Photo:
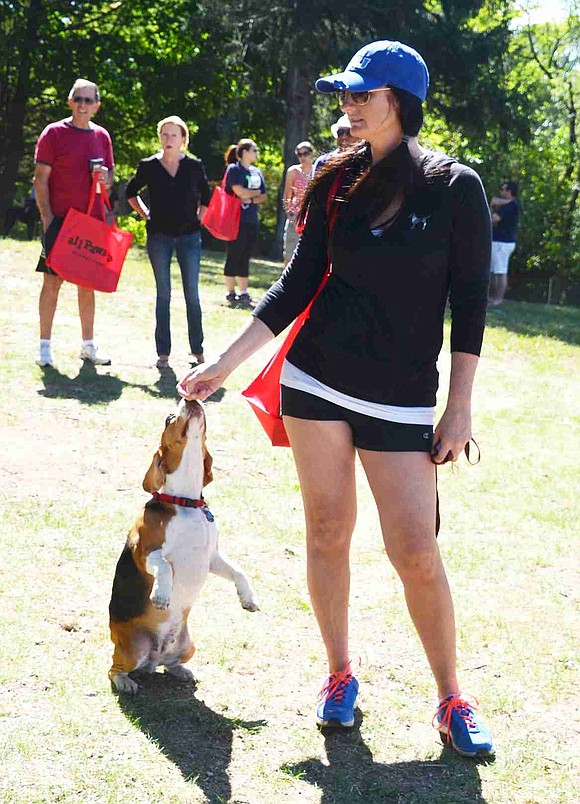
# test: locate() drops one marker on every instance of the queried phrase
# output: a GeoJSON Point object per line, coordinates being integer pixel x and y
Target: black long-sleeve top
{"type": "Point", "coordinates": [376, 330]}
{"type": "Point", "coordinates": [174, 200]}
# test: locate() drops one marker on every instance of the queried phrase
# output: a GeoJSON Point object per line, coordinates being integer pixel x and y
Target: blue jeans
{"type": "Point", "coordinates": [187, 249]}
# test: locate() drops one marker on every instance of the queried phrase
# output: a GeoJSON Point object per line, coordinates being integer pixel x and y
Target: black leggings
{"type": "Point", "coordinates": [240, 251]}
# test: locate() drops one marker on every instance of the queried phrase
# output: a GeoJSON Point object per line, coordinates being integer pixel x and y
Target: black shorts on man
{"type": "Point", "coordinates": [48, 241]}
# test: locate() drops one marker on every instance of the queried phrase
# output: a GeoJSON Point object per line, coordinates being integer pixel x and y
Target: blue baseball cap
{"type": "Point", "coordinates": [380, 64]}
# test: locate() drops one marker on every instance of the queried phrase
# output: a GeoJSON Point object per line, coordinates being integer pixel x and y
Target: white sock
{"type": "Point", "coordinates": [90, 342]}
{"type": "Point", "coordinates": [45, 342]}
{"type": "Point", "coordinates": [243, 293]}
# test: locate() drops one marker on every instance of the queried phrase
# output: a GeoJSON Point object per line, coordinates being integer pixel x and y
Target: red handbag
{"type": "Point", "coordinates": [263, 393]}
{"type": "Point", "coordinates": [89, 251]}
{"type": "Point", "coordinates": [222, 216]}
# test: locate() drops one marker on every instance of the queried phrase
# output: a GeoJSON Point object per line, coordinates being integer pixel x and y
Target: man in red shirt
{"type": "Point", "coordinates": [62, 179]}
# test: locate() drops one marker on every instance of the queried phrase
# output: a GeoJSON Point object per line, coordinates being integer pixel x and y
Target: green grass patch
{"type": "Point", "coordinates": [76, 444]}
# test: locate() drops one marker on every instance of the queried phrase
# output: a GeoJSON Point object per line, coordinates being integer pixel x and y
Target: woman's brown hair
{"type": "Point", "coordinates": [234, 152]}
{"type": "Point", "coordinates": [396, 176]}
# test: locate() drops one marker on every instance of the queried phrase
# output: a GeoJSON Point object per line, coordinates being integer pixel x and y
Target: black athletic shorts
{"type": "Point", "coordinates": [48, 239]}
{"type": "Point", "coordinates": [368, 432]}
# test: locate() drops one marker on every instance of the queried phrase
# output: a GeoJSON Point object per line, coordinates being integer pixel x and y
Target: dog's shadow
{"type": "Point", "coordinates": [194, 737]}
{"type": "Point", "coordinates": [351, 774]}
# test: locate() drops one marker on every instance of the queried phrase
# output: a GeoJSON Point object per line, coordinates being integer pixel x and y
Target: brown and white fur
{"type": "Point", "coordinates": [167, 557]}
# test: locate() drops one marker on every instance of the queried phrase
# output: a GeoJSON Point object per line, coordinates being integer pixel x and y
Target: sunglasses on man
{"type": "Point", "coordinates": [358, 98]}
{"type": "Point", "coordinates": [83, 99]}
{"type": "Point", "coordinates": [303, 153]}
{"type": "Point", "coordinates": [343, 132]}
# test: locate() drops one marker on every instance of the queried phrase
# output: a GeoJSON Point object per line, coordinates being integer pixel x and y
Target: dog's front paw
{"type": "Point", "coordinates": [250, 603]}
{"type": "Point", "coordinates": [123, 683]}
{"type": "Point", "coordinates": [159, 598]}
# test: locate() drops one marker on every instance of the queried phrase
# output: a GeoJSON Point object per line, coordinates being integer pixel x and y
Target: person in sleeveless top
{"type": "Point", "coordinates": [297, 178]}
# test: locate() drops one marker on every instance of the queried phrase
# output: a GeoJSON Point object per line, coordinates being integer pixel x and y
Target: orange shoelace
{"type": "Point", "coordinates": [335, 684]}
{"type": "Point", "coordinates": [457, 703]}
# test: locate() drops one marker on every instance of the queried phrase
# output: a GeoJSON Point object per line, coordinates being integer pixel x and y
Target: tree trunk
{"type": "Point", "coordinates": [299, 79]}
{"type": "Point", "coordinates": [572, 172]}
{"type": "Point", "coordinates": [13, 124]}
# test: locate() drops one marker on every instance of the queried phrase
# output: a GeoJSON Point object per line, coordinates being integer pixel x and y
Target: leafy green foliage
{"type": "Point", "coordinates": [503, 97]}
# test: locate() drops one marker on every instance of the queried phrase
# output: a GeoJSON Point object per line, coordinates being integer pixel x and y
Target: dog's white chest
{"type": "Point", "coordinates": [190, 541]}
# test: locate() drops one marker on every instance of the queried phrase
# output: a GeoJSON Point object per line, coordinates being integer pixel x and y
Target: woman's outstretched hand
{"type": "Point", "coordinates": [202, 381]}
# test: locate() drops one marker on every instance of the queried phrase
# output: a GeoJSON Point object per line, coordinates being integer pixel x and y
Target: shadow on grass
{"type": "Point", "coordinates": [526, 318]}
{"type": "Point", "coordinates": [195, 738]}
{"type": "Point", "coordinates": [93, 388]}
{"type": "Point", "coordinates": [351, 774]}
{"type": "Point", "coordinates": [217, 396]}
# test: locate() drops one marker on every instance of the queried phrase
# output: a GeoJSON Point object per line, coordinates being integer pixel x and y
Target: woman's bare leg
{"type": "Point", "coordinates": [324, 456]}
{"type": "Point", "coordinates": [403, 485]}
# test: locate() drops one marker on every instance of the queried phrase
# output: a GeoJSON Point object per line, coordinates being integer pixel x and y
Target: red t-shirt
{"type": "Point", "coordinates": [67, 150]}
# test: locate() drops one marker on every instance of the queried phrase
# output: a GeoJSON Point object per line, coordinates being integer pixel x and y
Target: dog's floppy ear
{"type": "Point", "coordinates": [155, 477]}
{"type": "Point", "coordinates": [207, 464]}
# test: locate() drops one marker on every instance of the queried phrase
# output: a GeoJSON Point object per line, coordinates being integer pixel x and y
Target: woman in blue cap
{"type": "Point", "coordinates": [412, 230]}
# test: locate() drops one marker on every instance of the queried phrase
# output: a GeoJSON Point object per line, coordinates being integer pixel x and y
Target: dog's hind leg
{"type": "Point", "coordinates": [179, 671]}
{"type": "Point", "coordinates": [184, 650]}
{"type": "Point", "coordinates": [222, 566]}
{"type": "Point", "coordinates": [122, 682]}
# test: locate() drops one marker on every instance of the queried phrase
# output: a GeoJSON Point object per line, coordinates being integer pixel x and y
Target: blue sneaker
{"type": "Point", "coordinates": [336, 700]}
{"type": "Point", "coordinates": [458, 723]}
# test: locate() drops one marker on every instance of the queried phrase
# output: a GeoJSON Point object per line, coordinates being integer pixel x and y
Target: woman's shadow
{"type": "Point", "coordinates": [352, 775]}
{"type": "Point", "coordinates": [194, 737]}
{"type": "Point", "coordinates": [92, 387]}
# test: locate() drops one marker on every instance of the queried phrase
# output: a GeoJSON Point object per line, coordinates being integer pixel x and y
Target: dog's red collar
{"type": "Point", "coordinates": [186, 502]}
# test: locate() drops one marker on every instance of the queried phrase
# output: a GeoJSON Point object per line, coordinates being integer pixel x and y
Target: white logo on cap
{"type": "Point", "coordinates": [362, 62]}
{"type": "Point", "coordinates": [418, 223]}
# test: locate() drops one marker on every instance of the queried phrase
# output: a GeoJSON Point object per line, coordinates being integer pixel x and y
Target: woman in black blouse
{"type": "Point", "coordinates": [412, 229]}
{"type": "Point", "coordinates": [179, 194]}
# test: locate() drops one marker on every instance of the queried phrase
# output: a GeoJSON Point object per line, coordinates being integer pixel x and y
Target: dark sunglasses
{"type": "Point", "coordinates": [82, 99]}
{"type": "Point", "coordinates": [343, 132]}
{"type": "Point", "coordinates": [358, 98]}
{"type": "Point", "coordinates": [303, 153]}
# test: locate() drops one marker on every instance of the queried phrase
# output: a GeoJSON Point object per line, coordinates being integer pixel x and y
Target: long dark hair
{"type": "Point", "coordinates": [397, 175]}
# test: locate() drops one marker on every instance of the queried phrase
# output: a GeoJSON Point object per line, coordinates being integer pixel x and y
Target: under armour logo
{"type": "Point", "coordinates": [418, 223]}
{"type": "Point", "coordinates": [360, 61]}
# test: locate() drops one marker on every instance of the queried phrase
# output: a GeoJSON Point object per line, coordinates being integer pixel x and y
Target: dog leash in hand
{"type": "Point", "coordinates": [185, 502]}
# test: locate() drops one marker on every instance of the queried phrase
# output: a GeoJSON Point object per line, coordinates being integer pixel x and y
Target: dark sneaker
{"type": "Point", "coordinates": [245, 301]}
{"type": "Point", "coordinates": [458, 723]}
{"type": "Point", "coordinates": [196, 360]}
{"type": "Point", "coordinates": [336, 700]}
{"type": "Point", "coordinates": [231, 298]}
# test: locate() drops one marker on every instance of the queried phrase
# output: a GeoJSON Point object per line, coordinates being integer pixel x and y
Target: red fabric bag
{"type": "Point", "coordinates": [222, 217]}
{"type": "Point", "coordinates": [89, 251]}
{"type": "Point", "coordinates": [263, 393]}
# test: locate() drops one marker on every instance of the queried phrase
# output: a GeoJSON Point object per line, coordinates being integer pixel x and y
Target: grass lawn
{"type": "Point", "coordinates": [76, 444]}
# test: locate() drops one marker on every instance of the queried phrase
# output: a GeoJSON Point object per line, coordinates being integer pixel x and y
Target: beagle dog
{"type": "Point", "coordinates": [167, 557]}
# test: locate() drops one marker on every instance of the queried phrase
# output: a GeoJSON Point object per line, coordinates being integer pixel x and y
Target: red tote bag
{"type": "Point", "coordinates": [263, 393]}
{"type": "Point", "coordinates": [89, 251]}
{"type": "Point", "coordinates": [222, 217]}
